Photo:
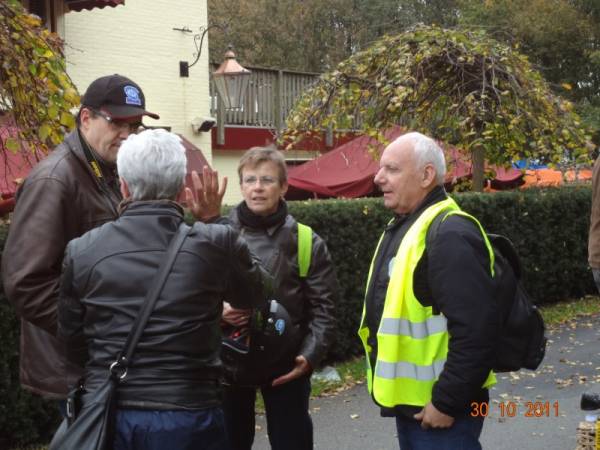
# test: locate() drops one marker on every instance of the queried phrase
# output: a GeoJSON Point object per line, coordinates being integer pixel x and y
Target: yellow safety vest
{"type": "Point", "coordinates": [412, 343]}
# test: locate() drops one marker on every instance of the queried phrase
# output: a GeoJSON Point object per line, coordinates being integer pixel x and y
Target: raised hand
{"type": "Point", "coordinates": [206, 198]}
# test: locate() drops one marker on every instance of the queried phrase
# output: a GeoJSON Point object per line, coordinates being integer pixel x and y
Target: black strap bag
{"type": "Point", "coordinates": [90, 417]}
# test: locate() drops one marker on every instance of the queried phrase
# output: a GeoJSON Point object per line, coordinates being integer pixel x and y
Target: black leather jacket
{"type": "Point", "coordinates": [309, 301]}
{"type": "Point", "coordinates": [105, 278]}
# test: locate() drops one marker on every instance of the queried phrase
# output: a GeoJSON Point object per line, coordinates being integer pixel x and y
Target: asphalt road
{"type": "Point", "coordinates": [350, 421]}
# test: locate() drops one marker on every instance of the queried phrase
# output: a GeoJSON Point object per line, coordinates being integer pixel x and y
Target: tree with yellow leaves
{"type": "Point", "coordinates": [36, 93]}
{"type": "Point", "coordinates": [459, 86]}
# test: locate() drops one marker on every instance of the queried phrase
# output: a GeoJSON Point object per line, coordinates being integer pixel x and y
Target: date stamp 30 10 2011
{"type": "Point", "coordinates": [511, 409]}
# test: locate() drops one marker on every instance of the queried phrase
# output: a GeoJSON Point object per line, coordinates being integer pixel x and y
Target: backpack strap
{"type": "Point", "coordinates": [304, 249]}
{"type": "Point", "coordinates": [434, 227]}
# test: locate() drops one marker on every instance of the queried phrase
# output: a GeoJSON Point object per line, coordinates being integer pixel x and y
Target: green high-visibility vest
{"type": "Point", "coordinates": [412, 342]}
{"type": "Point", "coordinates": [304, 249]}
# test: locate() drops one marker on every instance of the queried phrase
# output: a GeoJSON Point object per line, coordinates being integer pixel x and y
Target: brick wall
{"type": "Point", "coordinates": [226, 162]}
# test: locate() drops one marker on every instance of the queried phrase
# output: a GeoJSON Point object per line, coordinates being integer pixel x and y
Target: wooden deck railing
{"type": "Point", "coordinates": [270, 97]}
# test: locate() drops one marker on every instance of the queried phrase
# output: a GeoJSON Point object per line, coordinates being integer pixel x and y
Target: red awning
{"type": "Point", "coordinates": [348, 170]}
{"type": "Point", "coordinates": [14, 166]}
{"type": "Point", "coordinates": [195, 161]}
{"type": "Point", "coordinates": [78, 5]}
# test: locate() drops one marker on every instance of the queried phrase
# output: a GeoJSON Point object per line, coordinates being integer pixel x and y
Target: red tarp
{"type": "Point", "coordinates": [348, 170]}
{"type": "Point", "coordinates": [15, 166]}
{"type": "Point", "coordinates": [78, 5]}
{"type": "Point", "coordinates": [195, 161]}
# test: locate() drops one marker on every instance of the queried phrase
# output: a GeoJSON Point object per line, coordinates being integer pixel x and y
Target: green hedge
{"type": "Point", "coordinates": [548, 227]}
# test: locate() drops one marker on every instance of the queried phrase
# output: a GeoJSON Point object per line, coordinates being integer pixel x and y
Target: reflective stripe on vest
{"type": "Point", "coordinates": [416, 330]}
{"type": "Point", "coordinates": [412, 343]}
{"type": "Point", "coordinates": [406, 370]}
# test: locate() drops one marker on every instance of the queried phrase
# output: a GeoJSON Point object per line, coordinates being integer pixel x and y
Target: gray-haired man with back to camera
{"type": "Point", "coordinates": [171, 395]}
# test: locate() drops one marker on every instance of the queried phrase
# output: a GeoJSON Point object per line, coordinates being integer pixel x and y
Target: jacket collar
{"type": "Point", "coordinates": [235, 220]}
{"type": "Point", "coordinates": [150, 207]}
{"type": "Point", "coordinates": [436, 195]}
{"type": "Point", "coordinates": [73, 142]}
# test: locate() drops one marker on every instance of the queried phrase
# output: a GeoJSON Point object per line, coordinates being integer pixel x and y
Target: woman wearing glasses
{"type": "Point", "coordinates": [272, 234]}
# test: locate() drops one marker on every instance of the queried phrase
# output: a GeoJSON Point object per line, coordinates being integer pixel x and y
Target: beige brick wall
{"type": "Point", "coordinates": [137, 40]}
{"type": "Point", "coordinates": [226, 162]}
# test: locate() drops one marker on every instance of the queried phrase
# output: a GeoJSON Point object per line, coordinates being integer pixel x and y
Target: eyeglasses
{"type": "Point", "coordinates": [265, 180]}
{"type": "Point", "coordinates": [131, 127]}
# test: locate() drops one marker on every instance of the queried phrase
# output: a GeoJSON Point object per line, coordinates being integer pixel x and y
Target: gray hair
{"type": "Point", "coordinates": [153, 163]}
{"type": "Point", "coordinates": [427, 151]}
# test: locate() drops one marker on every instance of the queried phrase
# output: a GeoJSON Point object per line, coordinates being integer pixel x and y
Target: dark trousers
{"type": "Point", "coordinates": [62, 408]}
{"type": "Point", "coordinates": [202, 429]}
{"type": "Point", "coordinates": [596, 274]}
{"type": "Point", "coordinates": [288, 422]}
{"type": "Point", "coordinates": [462, 435]}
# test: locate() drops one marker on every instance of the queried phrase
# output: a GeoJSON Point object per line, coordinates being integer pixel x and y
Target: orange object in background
{"type": "Point", "coordinates": [551, 177]}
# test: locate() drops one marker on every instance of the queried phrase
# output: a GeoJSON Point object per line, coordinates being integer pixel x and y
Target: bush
{"type": "Point", "coordinates": [548, 227]}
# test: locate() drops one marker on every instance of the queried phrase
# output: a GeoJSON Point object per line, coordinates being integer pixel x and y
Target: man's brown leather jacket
{"type": "Point", "coordinates": [60, 200]}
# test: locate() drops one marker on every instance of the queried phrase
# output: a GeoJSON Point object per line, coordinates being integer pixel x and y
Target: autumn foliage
{"type": "Point", "coordinates": [459, 86]}
{"type": "Point", "coordinates": [36, 93]}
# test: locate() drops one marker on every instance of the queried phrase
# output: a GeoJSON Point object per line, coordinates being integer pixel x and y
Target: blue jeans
{"type": "Point", "coordinates": [288, 422]}
{"type": "Point", "coordinates": [202, 429]}
{"type": "Point", "coordinates": [462, 435]}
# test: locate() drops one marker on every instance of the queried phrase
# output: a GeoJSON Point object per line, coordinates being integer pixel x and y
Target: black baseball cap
{"type": "Point", "coordinates": [120, 97]}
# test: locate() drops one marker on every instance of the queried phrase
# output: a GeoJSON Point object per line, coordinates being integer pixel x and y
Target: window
{"type": "Point", "coordinates": [44, 9]}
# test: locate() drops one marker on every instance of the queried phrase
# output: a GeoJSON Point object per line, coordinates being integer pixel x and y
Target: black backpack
{"type": "Point", "coordinates": [521, 341]}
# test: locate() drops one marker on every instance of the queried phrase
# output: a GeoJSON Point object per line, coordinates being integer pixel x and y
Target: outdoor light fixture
{"type": "Point", "coordinates": [231, 79]}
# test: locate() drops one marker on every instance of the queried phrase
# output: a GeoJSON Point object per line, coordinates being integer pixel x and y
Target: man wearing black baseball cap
{"type": "Point", "coordinates": [119, 104]}
{"type": "Point", "coordinates": [68, 193]}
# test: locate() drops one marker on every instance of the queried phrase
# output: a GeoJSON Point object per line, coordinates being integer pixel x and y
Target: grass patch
{"type": "Point", "coordinates": [562, 312]}
{"type": "Point", "coordinates": [351, 372]}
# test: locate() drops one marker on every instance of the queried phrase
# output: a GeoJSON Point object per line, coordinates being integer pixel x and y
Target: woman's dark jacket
{"type": "Point", "coordinates": [106, 275]}
{"type": "Point", "coordinates": [453, 276]}
{"type": "Point", "coordinates": [309, 301]}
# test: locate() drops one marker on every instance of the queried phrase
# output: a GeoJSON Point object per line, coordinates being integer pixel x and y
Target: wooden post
{"type": "Point", "coordinates": [220, 121]}
{"type": "Point", "coordinates": [478, 168]}
{"type": "Point", "coordinates": [278, 102]}
{"type": "Point", "coordinates": [329, 132]}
